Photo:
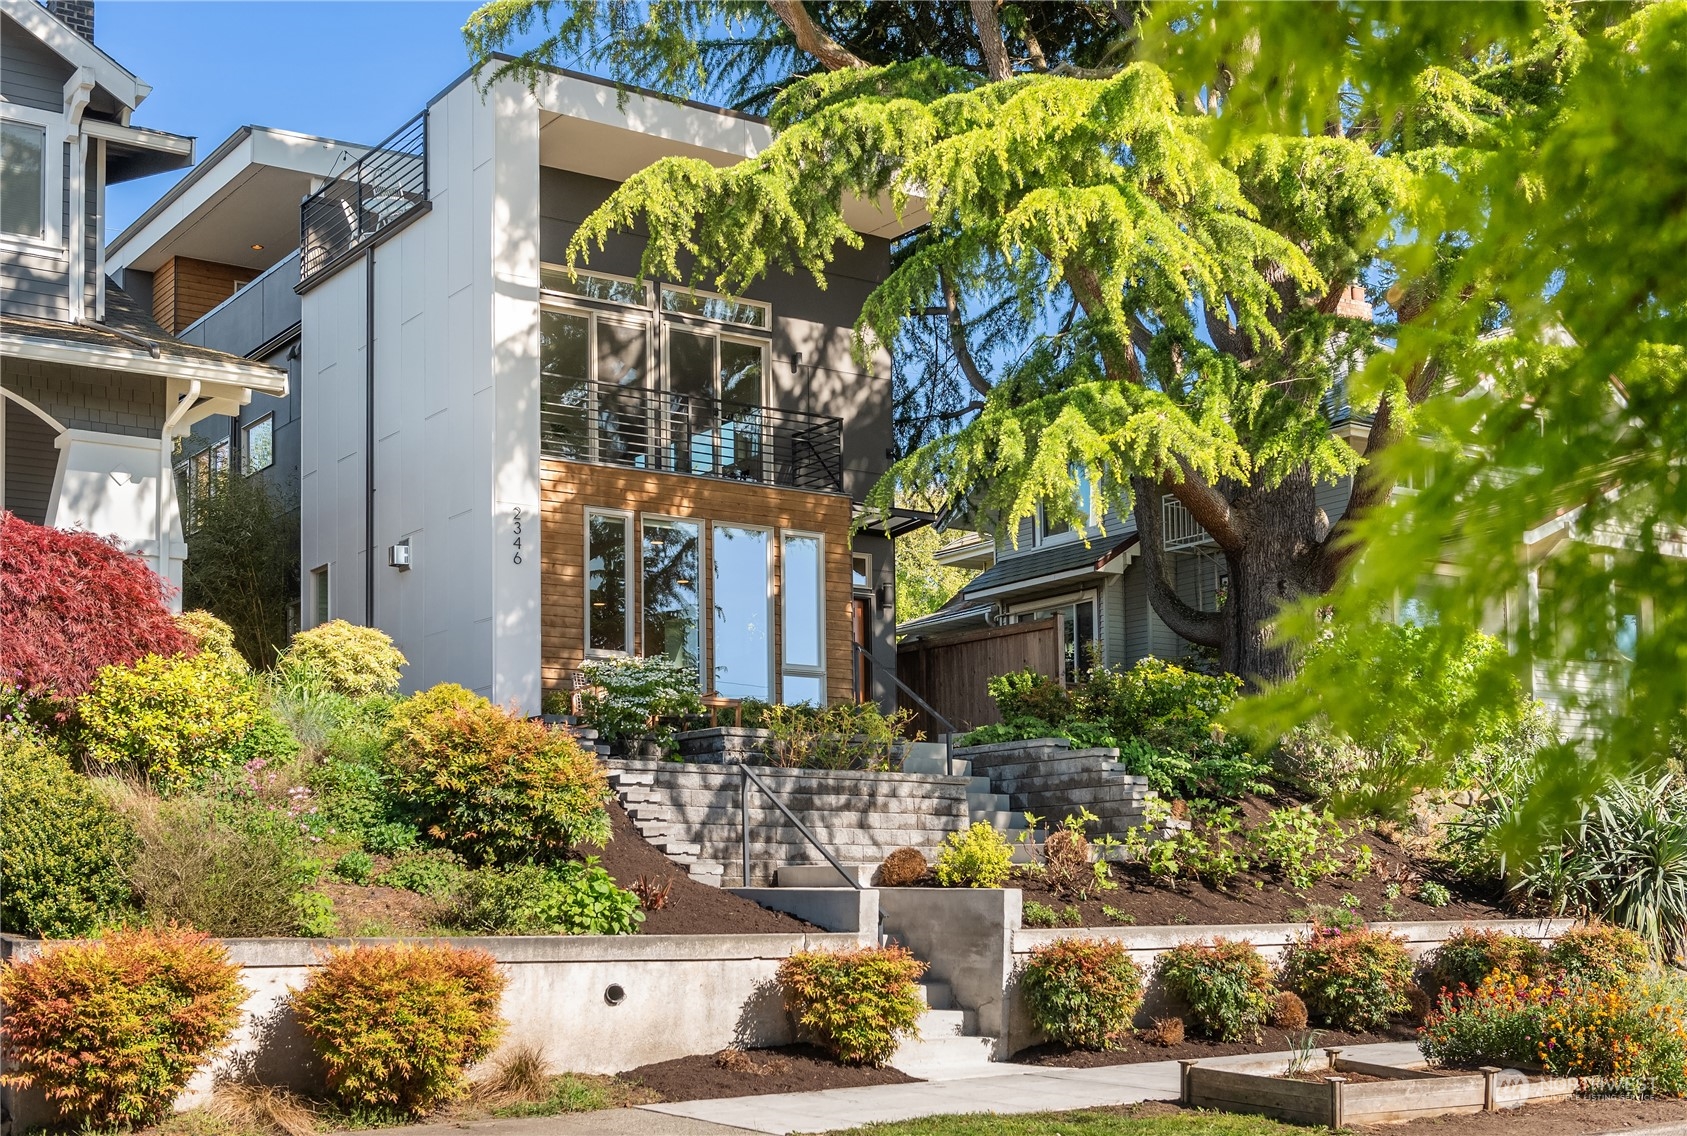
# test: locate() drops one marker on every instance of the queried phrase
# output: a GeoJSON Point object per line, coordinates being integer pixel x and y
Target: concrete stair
{"type": "Point", "coordinates": [692, 812]}
{"type": "Point", "coordinates": [984, 801]}
{"type": "Point", "coordinates": [947, 1044]}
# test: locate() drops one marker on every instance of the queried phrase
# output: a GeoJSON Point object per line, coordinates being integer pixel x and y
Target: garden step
{"type": "Point", "coordinates": [823, 875]}
{"type": "Point", "coordinates": [938, 995]}
{"type": "Point", "coordinates": [817, 821]}
{"type": "Point", "coordinates": [706, 872]}
{"type": "Point", "coordinates": [1064, 763]}
{"type": "Point", "coordinates": [675, 848]}
{"type": "Point", "coordinates": [999, 819]}
{"type": "Point", "coordinates": [942, 1023]}
{"type": "Point", "coordinates": [936, 1058]}
{"type": "Point", "coordinates": [936, 766]}
{"type": "Point", "coordinates": [724, 798]}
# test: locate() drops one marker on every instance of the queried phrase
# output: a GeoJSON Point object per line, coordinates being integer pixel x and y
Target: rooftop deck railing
{"type": "Point", "coordinates": [386, 185]}
{"type": "Point", "coordinates": [665, 432]}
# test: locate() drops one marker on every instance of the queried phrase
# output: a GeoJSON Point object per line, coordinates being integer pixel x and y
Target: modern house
{"type": "Point", "coordinates": [512, 469]}
{"type": "Point", "coordinates": [95, 392]}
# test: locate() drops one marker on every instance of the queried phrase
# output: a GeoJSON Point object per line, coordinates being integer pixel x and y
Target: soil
{"type": "Point", "coordinates": [379, 911]}
{"type": "Point", "coordinates": [1133, 1051]}
{"type": "Point", "coordinates": [756, 1072]}
{"type": "Point", "coordinates": [1262, 897]}
{"type": "Point", "coordinates": [692, 908]}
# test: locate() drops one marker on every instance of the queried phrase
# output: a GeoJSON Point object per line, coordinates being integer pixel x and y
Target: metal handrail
{"type": "Point", "coordinates": [949, 730]}
{"type": "Point", "coordinates": [388, 183]}
{"type": "Point", "coordinates": [745, 776]}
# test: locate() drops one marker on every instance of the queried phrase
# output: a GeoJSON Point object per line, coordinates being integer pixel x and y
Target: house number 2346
{"type": "Point", "coordinates": [515, 524]}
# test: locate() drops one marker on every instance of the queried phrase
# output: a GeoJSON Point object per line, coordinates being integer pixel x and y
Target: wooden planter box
{"type": "Point", "coordinates": [1400, 1094]}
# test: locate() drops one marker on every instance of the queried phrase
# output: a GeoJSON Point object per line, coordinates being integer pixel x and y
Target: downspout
{"type": "Point", "coordinates": [174, 419]}
{"type": "Point", "coordinates": [369, 438]}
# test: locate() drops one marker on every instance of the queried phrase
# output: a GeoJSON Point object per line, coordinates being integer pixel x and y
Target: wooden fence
{"type": "Point", "coordinates": [950, 671]}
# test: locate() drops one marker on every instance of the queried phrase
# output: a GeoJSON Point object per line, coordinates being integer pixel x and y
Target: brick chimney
{"type": "Point", "coordinates": [1353, 304]}
{"type": "Point", "coordinates": [77, 15]}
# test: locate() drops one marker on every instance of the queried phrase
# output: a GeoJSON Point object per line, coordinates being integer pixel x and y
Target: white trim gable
{"type": "Point", "coordinates": [76, 51]}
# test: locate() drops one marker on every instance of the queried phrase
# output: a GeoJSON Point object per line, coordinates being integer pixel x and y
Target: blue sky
{"type": "Point", "coordinates": [350, 69]}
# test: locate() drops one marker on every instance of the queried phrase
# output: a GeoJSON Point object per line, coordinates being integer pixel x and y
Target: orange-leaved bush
{"type": "Point", "coordinates": [71, 603]}
{"type": "Point", "coordinates": [1350, 980]}
{"type": "Point", "coordinates": [855, 1004]}
{"type": "Point", "coordinates": [396, 1026]}
{"type": "Point", "coordinates": [1226, 983]}
{"type": "Point", "coordinates": [1600, 952]}
{"type": "Point", "coordinates": [1469, 955]}
{"type": "Point", "coordinates": [1082, 992]}
{"type": "Point", "coordinates": [111, 1029]}
{"type": "Point", "coordinates": [492, 786]}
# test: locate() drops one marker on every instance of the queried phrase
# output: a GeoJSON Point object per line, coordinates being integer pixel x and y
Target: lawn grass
{"type": "Point", "coordinates": [1125, 1120]}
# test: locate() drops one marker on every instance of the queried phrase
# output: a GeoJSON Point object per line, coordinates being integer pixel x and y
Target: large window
{"type": "Point", "coordinates": [23, 180]}
{"type": "Point", "coordinates": [710, 306]}
{"type": "Point", "coordinates": [803, 580]}
{"type": "Point", "coordinates": [609, 612]}
{"type": "Point", "coordinates": [673, 612]}
{"type": "Point", "coordinates": [743, 612]}
{"type": "Point", "coordinates": [715, 386]}
{"type": "Point", "coordinates": [605, 422]}
{"type": "Point", "coordinates": [259, 446]}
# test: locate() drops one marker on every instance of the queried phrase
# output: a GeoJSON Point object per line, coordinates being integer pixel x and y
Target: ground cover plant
{"type": "Point", "coordinates": [397, 1026]}
{"type": "Point", "coordinates": [111, 1029]}
{"type": "Point", "coordinates": [1226, 984]}
{"type": "Point", "coordinates": [1081, 992]}
{"type": "Point", "coordinates": [855, 1004]}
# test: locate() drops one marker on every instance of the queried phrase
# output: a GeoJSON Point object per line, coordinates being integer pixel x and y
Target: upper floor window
{"type": "Point", "coordinates": [23, 180]}
{"type": "Point", "coordinates": [709, 306]}
{"type": "Point", "coordinates": [259, 444]}
{"type": "Point", "coordinates": [592, 286]}
{"type": "Point", "coordinates": [1082, 499]}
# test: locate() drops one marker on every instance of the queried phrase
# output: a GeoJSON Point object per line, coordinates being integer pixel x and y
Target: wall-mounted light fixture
{"type": "Point", "coordinates": [257, 248]}
{"type": "Point", "coordinates": [398, 556]}
{"type": "Point", "coordinates": [887, 597]}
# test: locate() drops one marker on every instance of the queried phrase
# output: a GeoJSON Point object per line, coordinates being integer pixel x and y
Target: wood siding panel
{"type": "Point", "coordinates": [184, 289]}
{"type": "Point", "coordinates": [32, 460]}
{"type": "Point", "coordinates": [570, 488]}
{"type": "Point", "coordinates": [950, 671]}
{"type": "Point", "coordinates": [34, 74]}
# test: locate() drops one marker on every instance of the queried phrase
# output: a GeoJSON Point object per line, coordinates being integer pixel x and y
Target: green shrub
{"type": "Point", "coordinates": [175, 722]}
{"type": "Point", "coordinates": [564, 899]}
{"type": "Point", "coordinates": [230, 869]}
{"type": "Point", "coordinates": [1225, 983]}
{"type": "Point", "coordinates": [213, 637]}
{"type": "Point", "coordinates": [976, 858]}
{"type": "Point", "coordinates": [344, 658]}
{"type": "Point", "coordinates": [1082, 992]}
{"type": "Point", "coordinates": [629, 696]}
{"type": "Point", "coordinates": [854, 1004]}
{"type": "Point", "coordinates": [1318, 761]}
{"type": "Point", "coordinates": [492, 786]}
{"type": "Point", "coordinates": [314, 915]}
{"type": "Point", "coordinates": [844, 735]}
{"type": "Point", "coordinates": [64, 851]}
{"type": "Point", "coordinates": [1028, 694]}
{"type": "Point", "coordinates": [433, 872]}
{"type": "Point", "coordinates": [1600, 953]}
{"type": "Point", "coordinates": [1172, 714]}
{"type": "Point", "coordinates": [110, 1030]}
{"type": "Point", "coordinates": [268, 740]}
{"type": "Point", "coordinates": [1082, 735]}
{"type": "Point", "coordinates": [1350, 980]}
{"type": "Point", "coordinates": [1469, 956]}
{"type": "Point", "coordinates": [355, 794]}
{"type": "Point", "coordinates": [1434, 894]}
{"type": "Point", "coordinates": [1300, 844]}
{"type": "Point", "coordinates": [355, 867]}
{"type": "Point", "coordinates": [397, 1026]}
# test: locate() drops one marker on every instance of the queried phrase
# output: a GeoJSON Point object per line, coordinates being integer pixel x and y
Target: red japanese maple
{"type": "Point", "coordinates": [71, 603]}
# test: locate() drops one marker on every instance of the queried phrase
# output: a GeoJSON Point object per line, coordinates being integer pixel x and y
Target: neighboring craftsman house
{"type": "Point", "coordinates": [95, 392]}
{"type": "Point", "coordinates": [511, 471]}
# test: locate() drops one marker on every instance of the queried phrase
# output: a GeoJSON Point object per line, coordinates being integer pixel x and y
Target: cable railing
{"type": "Point", "coordinates": [380, 189]}
{"type": "Point", "coordinates": [668, 432]}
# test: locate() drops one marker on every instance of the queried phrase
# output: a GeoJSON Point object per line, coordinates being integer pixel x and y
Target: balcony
{"type": "Point", "coordinates": [385, 187]}
{"type": "Point", "coordinates": [665, 432]}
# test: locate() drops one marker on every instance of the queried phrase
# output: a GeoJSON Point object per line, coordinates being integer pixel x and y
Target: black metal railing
{"type": "Point", "coordinates": [667, 432]}
{"type": "Point", "coordinates": [380, 189]}
{"type": "Point", "coordinates": [745, 777]}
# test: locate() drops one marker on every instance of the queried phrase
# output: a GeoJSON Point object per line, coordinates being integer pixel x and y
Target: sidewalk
{"type": "Point", "coordinates": [1007, 1088]}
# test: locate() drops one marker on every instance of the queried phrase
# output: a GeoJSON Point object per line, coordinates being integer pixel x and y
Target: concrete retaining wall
{"type": "Point", "coordinates": [681, 995]}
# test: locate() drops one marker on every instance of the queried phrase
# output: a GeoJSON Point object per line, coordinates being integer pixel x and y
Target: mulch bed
{"type": "Point", "coordinates": [756, 1072]}
{"type": "Point", "coordinates": [1133, 1051]}
{"type": "Point", "coordinates": [692, 908]}
{"type": "Point", "coordinates": [376, 911]}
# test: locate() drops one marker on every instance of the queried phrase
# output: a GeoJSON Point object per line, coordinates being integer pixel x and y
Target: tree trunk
{"type": "Point", "coordinates": [1277, 562]}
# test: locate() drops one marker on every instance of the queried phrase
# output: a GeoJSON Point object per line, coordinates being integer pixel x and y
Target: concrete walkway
{"type": "Point", "coordinates": [1006, 1088]}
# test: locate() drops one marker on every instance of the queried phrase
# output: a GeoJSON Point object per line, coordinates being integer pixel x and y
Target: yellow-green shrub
{"type": "Point", "coordinates": [1082, 992]}
{"type": "Point", "coordinates": [396, 1026]}
{"type": "Point", "coordinates": [979, 857]}
{"type": "Point", "coordinates": [63, 848]}
{"type": "Point", "coordinates": [854, 1003]}
{"type": "Point", "coordinates": [344, 658]}
{"type": "Point", "coordinates": [172, 721]}
{"type": "Point", "coordinates": [1601, 953]}
{"type": "Point", "coordinates": [492, 786]}
{"type": "Point", "coordinates": [214, 638]}
{"type": "Point", "coordinates": [111, 1030]}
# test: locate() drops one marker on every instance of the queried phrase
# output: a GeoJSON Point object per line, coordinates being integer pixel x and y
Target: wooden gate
{"type": "Point", "coordinates": [950, 671]}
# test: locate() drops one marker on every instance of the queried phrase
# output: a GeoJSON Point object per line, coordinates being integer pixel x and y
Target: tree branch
{"type": "Point", "coordinates": [1205, 628]}
{"type": "Point", "coordinates": [991, 47]}
{"type": "Point", "coordinates": [958, 336]}
{"type": "Point", "coordinates": [831, 54]}
{"type": "Point", "coordinates": [1208, 506]}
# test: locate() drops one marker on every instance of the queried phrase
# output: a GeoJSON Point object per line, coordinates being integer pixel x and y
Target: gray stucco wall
{"type": "Point", "coordinates": [807, 322]}
{"type": "Point", "coordinates": [86, 398]}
